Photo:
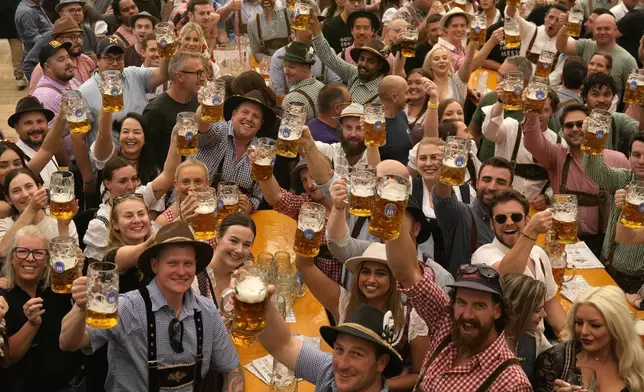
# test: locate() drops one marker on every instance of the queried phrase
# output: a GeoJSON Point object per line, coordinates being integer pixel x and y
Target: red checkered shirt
{"type": "Point", "coordinates": [456, 54]}
{"type": "Point", "coordinates": [433, 306]}
{"type": "Point", "coordinates": [289, 205]}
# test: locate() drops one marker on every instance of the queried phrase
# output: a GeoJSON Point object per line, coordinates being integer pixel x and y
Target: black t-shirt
{"type": "Point", "coordinates": [417, 61]}
{"type": "Point", "coordinates": [500, 52]}
{"type": "Point", "coordinates": [132, 57]}
{"type": "Point", "coordinates": [338, 34]}
{"type": "Point", "coordinates": [44, 367]}
{"type": "Point", "coordinates": [161, 115]}
{"type": "Point", "coordinates": [398, 139]}
{"type": "Point", "coordinates": [632, 27]}
{"type": "Point", "coordinates": [130, 280]}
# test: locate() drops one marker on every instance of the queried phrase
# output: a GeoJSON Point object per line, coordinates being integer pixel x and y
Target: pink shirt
{"type": "Point", "coordinates": [127, 33]}
{"type": "Point", "coordinates": [83, 65]}
{"type": "Point", "coordinates": [552, 157]}
{"type": "Point", "coordinates": [50, 99]}
{"type": "Point", "coordinates": [456, 54]}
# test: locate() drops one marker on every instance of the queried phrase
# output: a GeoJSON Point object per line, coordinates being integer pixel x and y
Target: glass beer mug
{"type": "Point", "coordinates": [512, 90]}
{"type": "Point", "coordinates": [536, 93]}
{"type": "Point", "coordinates": [204, 224]}
{"type": "Point", "coordinates": [478, 30]}
{"type": "Point", "coordinates": [164, 33]}
{"type": "Point", "coordinates": [308, 234]}
{"type": "Point", "coordinates": [264, 152]}
{"type": "Point", "coordinates": [266, 261]}
{"type": "Point", "coordinates": [214, 94]}
{"type": "Point", "coordinates": [75, 112]}
{"type": "Point", "coordinates": [410, 40]}
{"type": "Point", "coordinates": [251, 299]}
{"type": "Point", "coordinates": [633, 208]}
{"type": "Point", "coordinates": [512, 33]}
{"type": "Point", "coordinates": [598, 127]}
{"type": "Point", "coordinates": [544, 65]}
{"type": "Point", "coordinates": [102, 295]}
{"type": "Point", "coordinates": [282, 378]}
{"type": "Point", "coordinates": [228, 199]}
{"type": "Point", "coordinates": [575, 19]}
{"type": "Point", "coordinates": [634, 89]}
{"type": "Point", "coordinates": [375, 130]}
{"type": "Point", "coordinates": [289, 133]}
{"type": "Point", "coordinates": [63, 264]}
{"type": "Point", "coordinates": [111, 87]}
{"type": "Point", "coordinates": [389, 206]}
{"type": "Point", "coordinates": [564, 219]}
{"type": "Point", "coordinates": [187, 134]}
{"type": "Point", "coordinates": [454, 161]}
{"type": "Point", "coordinates": [283, 265]}
{"type": "Point", "coordinates": [301, 16]}
{"type": "Point", "coordinates": [363, 189]}
{"type": "Point", "coordinates": [61, 195]}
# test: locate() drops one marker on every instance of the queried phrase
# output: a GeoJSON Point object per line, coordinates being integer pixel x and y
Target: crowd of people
{"type": "Point", "coordinates": [460, 299]}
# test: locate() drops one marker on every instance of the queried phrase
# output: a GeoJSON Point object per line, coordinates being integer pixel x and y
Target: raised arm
{"type": "Point", "coordinates": [336, 225]}
{"type": "Point", "coordinates": [562, 42]}
{"type": "Point", "coordinates": [271, 190]}
{"type": "Point", "coordinates": [159, 75]}
{"type": "Point", "coordinates": [104, 146]}
{"type": "Point", "coordinates": [536, 143]}
{"type": "Point", "coordinates": [466, 69]}
{"type": "Point", "coordinates": [36, 204]}
{"type": "Point", "coordinates": [608, 178]}
{"type": "Point", "coordinates": [325, 290]}
{"type": "Point", "coordinates": [127, 256]}
{"type": "Point", "coordinates": [164, 181]}
{"type": "Point", "coordinates": [479, 60]}
{"type": "Point", "coordinates": [493, 127]}
{"type": "Point", "coordinates": [430, 127]}
{"type": "Point", "coordinates": [317, 163]}
{"type": "Point", "coordinates": [50, 144]}
{"type": "Point", "coordinates": [73, 330]}
{"type": "Point", "coordinates": [326, 53]}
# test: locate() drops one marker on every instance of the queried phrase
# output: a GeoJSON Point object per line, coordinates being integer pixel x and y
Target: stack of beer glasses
{"type": "Point", "coordinates": [187, 134]}
{"type": "Point", "coordinates": [478, 30]}
{"type": "Point", "coordinates": [362, 184]}
{"type": "Point", "coordinates": [308, 235]}
{"type": "Point", "coordinates": [266, 261]}
{"type": "Point", "coordinates": [61, 195]}
{"type": "Point", "coordinates": [290, 131]}
{"type": "Point", "coordinates": [596, 133]}
{"type": "Point", "coordinates": [512, 90]}
{"type": "Point", "coordinates": [564, 219]}
{"type": "Point", "coordinates": [102, 295]}
{"type": "Point", "coordinates": [375, 133]}
{"type": "Point", "coordinates": [301, 16]}
{"type": "Point", "coordinates": [75, 112]}
{"type": "Point", "coordinates": [251, 300]}
{"type": "Point", "coordinates": [634, 89]}
{"type": "Point", "coordinates": [263, 158]}
{"type": "Point", "coordinates": [63, 263]}
{"type": "Point", "coordinates": [575, 19]}
{"type": "Point", "coordinates": [454, 161]}
{"type": "Point", "coordinates": [204, 224]}
{"type": "Point", "coordinates": [228, 200]}
{"type": "Point", "coordinates": [544, 65]}
{"type": "Point", "coordinates": [512, 33]}
{"type": "Point", "coordinates": [633, 209]}
{"type": "Point", "coordinates": [166, 42]}
{"type": "Point", "coordinates": [410, 40]}
{"type": "Point", "coordinates": [535, 99]}
{"type": "Point", "coordinates": [389, 206]}
{"type": "Point", "coordinates": [212, 106]}
{"type": "Point", "coordinates": [111, 87]}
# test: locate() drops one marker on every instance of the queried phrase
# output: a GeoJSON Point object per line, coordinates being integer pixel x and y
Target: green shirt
{"type": "Point", "coordinates": [623, 129]}
{"type": "Point", "coordinates": [623, 62]}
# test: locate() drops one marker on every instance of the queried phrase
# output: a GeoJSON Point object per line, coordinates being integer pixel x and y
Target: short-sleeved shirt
{"type": "Point", "coordinates": [337, 33]}
{"type": "Point", "coordinates": [632, 28]}
{"type": "Point", "coordinates": [499, 52]}
{"type": "Point", "coordinates": [335, 150]}
{"type": "Point", "coordinates": [323, 132]}
{"type": "Point", "coordinates": [398, 139]}
{"type": "Point", "coordinates": [128, 341]}
{"type": "Point", "coordinates": [623, 62]}
{"type": "Point", "coordinates": [48, 226]}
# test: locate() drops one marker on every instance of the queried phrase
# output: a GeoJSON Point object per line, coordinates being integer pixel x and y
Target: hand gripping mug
{"type": "Point", "coordinates": [308, 234]}
{"type": "Point", "coordinates": [102, 295]}
{"type": "Point", "coordinates": [454, 161]}
{"type": "Point", "coordinates": [564, 219]}
{"type": "Point", "coordinates": [204, 224]}
{"type": "Point", "coordinates": [389, 206]}
{"type": "Point", "coordinates": [111, 87]}
{"type": "Point", "coordinates": [63, 264]}
{"type": "Point", "coordinates": [633, 209]}
{"type": "Point", "coordinates": [187, 134]}
{"type": "Point", "coordinates": [598, 127]}
{"type": "Point", "coordinates": [75, 112]}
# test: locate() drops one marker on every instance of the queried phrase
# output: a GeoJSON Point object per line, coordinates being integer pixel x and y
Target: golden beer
{"type": "Point", "coordinates": [113, 103]}
{"type": "Point", "coordinates": [249, 314]}
{"type": "Point", "coordinates": [375, 134]}
{"type": "Point", "coordinates": [262, 170]}
{"type": "Point", "coordinates": [307, 242]}
{"type": "Point", "coordinates": [633, 213]}
{"type": "Point", "coordinates": [287, 148]}
{"type": "Point", "coordinates": [512, 41]}
{"type": "Point", "coordinates": [534, 105]}
{"type": "Point", "coordinates": [300, 21]}
{"type": "Point", "coordinates": [226, 210]}
{"type": "Point", "coordinates": [558, 275]}
{"type": "Point", "coordinates": [212, 114]}
{"type": "Point", "coordinates": [512, 99]}
{"type": "Point", "coordinates": [167, 49]}
{"type": "Point", "coordinates": [408, 48]}
{"type": "Point", "coordinates": [634, 89]}
{"type": "Point", "coordinates": [453, 172]}
{"type": "Point", "coordinates": [204, 224]}
{"type": "Point", "coordinates": [63, 273]}
{"type": "Point", "coordinates": [594, 143]}
{"type": "Point", "coordinates": [543, 69]}
{"type": "Point", "coordinates": [291, 4]}
{"type": "Point", "coordinates": [516, 3]}
{"type": "Point", "coordinates": [79, 127]}
{"type": "Point", "coordinates": [188, 144]}
{"type": "Point", "coordinates": [62, 206]}
{"type": "Point", "coordinates": [361, 202]}
{"type": "Point", "coordinates": [477, 36]}
{"type": "Point", "coordinates": [102, 317]}
{"type": "Point", "coordinates": [387, 216]}
{"type": "Point", "coordinates": [564, 227]}
{"type": "Point", "coordinates": [573, 28]}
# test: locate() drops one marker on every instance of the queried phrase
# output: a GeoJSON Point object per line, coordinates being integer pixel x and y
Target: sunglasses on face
{"type": "Point", "coordinates": [571, 124]}
{"type": "Point", "coordinates": [175, 330]}
{"type": "Point", "coordinates": [502, 218]}
{"type": "Point", "coordinates": [481, 270]}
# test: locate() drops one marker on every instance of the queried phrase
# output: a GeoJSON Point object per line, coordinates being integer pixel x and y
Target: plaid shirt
{"type": "Point", "coordinates": [290, 205]}
{"type": "Point", "coordinates": [310, 87]}
{"type": "Point", "coordinates": [433, 306]}
{"type": "Point", "coordinates": [456, 54]}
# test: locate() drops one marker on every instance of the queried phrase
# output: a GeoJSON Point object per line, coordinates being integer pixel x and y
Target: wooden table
{"type": "Point", "coordinates": [275, 232]}
{"type": "Point", "coordinates": [491, 79]}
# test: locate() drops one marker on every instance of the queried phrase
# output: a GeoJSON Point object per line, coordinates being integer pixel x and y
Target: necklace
{"type": "Point", "coordinates": [609, 356]}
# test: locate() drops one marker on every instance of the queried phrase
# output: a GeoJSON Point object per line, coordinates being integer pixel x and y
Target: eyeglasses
{"type": "Point", "coordinates": [112, 60]}
{"type": "Point", "coordinates": [175, 330]}
{"type": "Point", "coordinates": [199, 73]}
{"type": "Point", "coordinates": [120, 198]}
{"type": "Point", "coordinates": [75, 37]}
{"type": "Point", "coordinates": [502, 218]}
{"type": "Point", "coordinates": [571, 124]}
{"type": "Point", "coordinates": [481, 270]}
{"type": "Point", "coordinates": [38, 254]}
{"type": "Point", "coordinates": [75, 10]}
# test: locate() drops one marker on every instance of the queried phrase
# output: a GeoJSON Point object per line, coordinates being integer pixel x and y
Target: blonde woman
{"type": "Point", "coordinates": [604, 339]}
{"type": "Point", "coordinates": [191, 39]}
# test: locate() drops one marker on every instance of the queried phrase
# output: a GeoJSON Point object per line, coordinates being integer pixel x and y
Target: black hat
{"type": "Point", "coordinates": [376, 47]}
{"type": "Point", "coordinates": [368, 323]}
{"type": "Point", "coordinates": [478, 277]}
{"type": "Point", "coordinates": [375, 22]}
{"type": "Point", "coordinates": [298, 52]}
{"type": "Point", "coordinates": [253, 96]}
{"type": "Point", "coordinates": [175, 233]}
{"type": "Point", "coordinates": [29, 104]}
{"type": "Point", "coordinates": [144, 14]}
{"type": "Point", "coordinates": [417, 212]}
{"type": "Point", "coordinates": [110, 42]}
{"type": "Point", "coordinates": [49, 49]}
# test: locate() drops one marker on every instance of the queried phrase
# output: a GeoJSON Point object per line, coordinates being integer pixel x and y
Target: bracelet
{"type": "Point", "coordinates": [432, 105]}
{"type": "Point", "coordinates": [530, 238]}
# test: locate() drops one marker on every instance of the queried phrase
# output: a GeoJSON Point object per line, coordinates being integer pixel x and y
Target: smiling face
{"type": "Point", "coordinates": [439, 62]}
{"type": "Point", "coordinates": [32, 128]}
{"type": "Point", "coordinates": [309, 186]}
{"type": "Point", "coordinates": [508, 233]}
{"type": "Point", "coordinates": [124, 181]}
{"type": "Point", "coordinates": [453, 111]}
{"type": "Point", "coordinates": [492, 179]}
{"type": "Point", "coordinates": [374, 280]}
{"type": "Point", "coordinates": [352, 136]}
{"type": "Point", "coordinates": [604, 30]}
{"type": "Point", "coordinates": [573, 134]}
{"type": "Point", "coordinates": [21, 190]}
{"type": "Point", "coordinates": [598, 64]}
{"type": "Point", "coordinates": [247, 120]}
{"type": "Point", "coordinates": [600, 97]}
{"type": "Point", "coordinates": [296, 72]}
{"type": "Point", "coordinates": [9, 160]}
{"type": "Point", "coordinates": [429, 161]}
{"type": "Point", "coordinates": [29, 269]}
{"type": "Point", "coordinates": [133, 221]}
{"type": "Point", "coordinates": [190, 178]}
{"type": "Point", "coordinates": [191, 42]}
{"type": "Point", "coordinates": [455, 29]}
{"type": "Point", "coordinates": [142, 28]}
{"type": "Point", "coordinates": [591, 328]}
{"type": "Point", "coordinates": [369, 65]}
{"type": "Point", "coordinates": [233, 249]}
{"type": "Point", "coordinates": [473, 315]}
{"type": "Point", "coordinates": [175, 268]}
{"type": "Point", "coordinates": [415, 92]}
{"type": "Point", "coordinates": [131, 137]}
{"type": "Point", "coordinates": [355, 366]}
{"type": "Point", "coordinates": [362, 32]}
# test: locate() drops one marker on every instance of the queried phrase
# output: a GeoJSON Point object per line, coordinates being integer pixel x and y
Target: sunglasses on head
{"type": "Point", "coordinates": [120, 198]}
{"type": "Point", "coordinates": [571, 124]}
{"type": "Point", "coordinates": [481, 270]}
{"type": "Point", "coordinates": [502, 218]}
{"type": "Point", "coordinates": [175, 330]}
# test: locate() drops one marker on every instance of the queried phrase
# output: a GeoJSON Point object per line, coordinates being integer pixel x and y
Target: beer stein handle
{"type": "Point", "coordinates": [574, 273]}
{"type": "Point", "coordinates": [226, 314]}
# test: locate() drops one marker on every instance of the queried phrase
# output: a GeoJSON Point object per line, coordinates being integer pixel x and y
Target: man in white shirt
{"type": "Point", "coordinates": [623, 8]}
{"type": "Point", "coordinates": [531, 179]}
{"type": "Point", "coordinates": [514, 248]}
{"type": "Point", "coordinates": [350, 150]}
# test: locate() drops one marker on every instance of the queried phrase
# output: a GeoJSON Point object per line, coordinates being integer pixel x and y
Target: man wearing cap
{"type": "Point", "coordinates": [143, 25]}
{"type": "Point", "coordinates": [332, 100]}
{"type": "Point", "coordinates": [136, 83]}
{"type": "Point", "coordinates": [66, 31]}
{"type": "Point", "coordinates": [269, 30]}
{"type": "Point", "coordinates": [167, 336]}
{"type": "Point", "coordinates": [467, 348]}
{"type": "Point", "coordinates": [223, 145]}
{"type": "Point", "coordinates": [75, 9]}
{"type": "Point", "coordinates": [336, 30]}
{"type": "Point", "coordinates": [123, 10]}
{"type": "Point", "coordinates": [298, 60]}
{"type": "Point", "coordinates": [32, 23]}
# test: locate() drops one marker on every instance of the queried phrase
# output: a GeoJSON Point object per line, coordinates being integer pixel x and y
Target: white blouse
{"type": "Point", "coordinates": [49, 227]}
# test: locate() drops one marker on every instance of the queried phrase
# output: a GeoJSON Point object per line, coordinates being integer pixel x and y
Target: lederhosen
{"type": "Point", "coordinates": [402, 345]}
{"type": "Point", "coordinates": [217, 178]}
{"type": "Point", "coordinates": [534, 57]}
{"type": "Point", "coordinates": [309, 99]}
{"type": "Point", "coordinates": [273, 44]}
{"type": "Point", "coordinates": [529, 171]}
{"type": "Point", "coordinates": [486, 383]}
{"type": "Point", "coordinates": [367, 101]}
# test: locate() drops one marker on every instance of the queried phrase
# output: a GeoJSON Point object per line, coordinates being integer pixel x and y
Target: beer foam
{"type": "Point", "coordinates": [229, 200]}
{"type": "Point", "coordinates": [205, 209]}
{"type": "Point", "coordinates": [251, 290]}
{"type": "Point", "coordinates": [635, 200]}
{"type": "Point", "coordinates": [362, 191]}
{"type": "Point", "coordinates": [102, 307]}
{"type": "Point", "coordinates": [393, 192]}
{"type": "Point", "coordinates": [62, 264]}
{"type": "Point", "coordinates": [264, 161]}
{"type": "Point", "coordinates": [61, 197]}
{"type": "Point", "coordinates": [564, 216]}
{"type": "Point", "coordinates": [639, 327]}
